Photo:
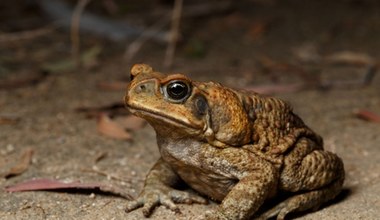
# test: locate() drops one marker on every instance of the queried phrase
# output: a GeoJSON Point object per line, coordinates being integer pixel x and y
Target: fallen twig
{"type": "Point", "coordinates": [61, 13]}
{"type": "Point", "coordinates": [350, 58]}
{"type": "Point", "coordinates": [188, 11]}
{"type": "Point", "coordinates": [74, 35]}
{"type": "Point", "coordinates": [101, 26]}
{"type": "Point", "coordinates": [100, 156]}
{"type": "Point", "coordinates": [174, 33]}
{"type": "Point", "coordinates": [147, 34]}
{"type": "Point", "coordinates": [25, 35]}
{"type": "Point", "coordinates": [370, 74]}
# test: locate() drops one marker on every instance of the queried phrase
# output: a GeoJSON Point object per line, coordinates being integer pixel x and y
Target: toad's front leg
{"type": "Point", "coordinates": [158, 191]}
{"type": "Point", "coordinates": [246, 197]}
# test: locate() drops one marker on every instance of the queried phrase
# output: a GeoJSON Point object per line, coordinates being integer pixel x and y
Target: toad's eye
{"type": "Point", "coordinates": [177, 91]}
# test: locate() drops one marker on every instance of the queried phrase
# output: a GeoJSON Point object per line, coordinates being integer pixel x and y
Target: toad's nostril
{"type": "Point", "coordinates": [141, 88]}
{"type": "Point", "coordinates": [146, 87]}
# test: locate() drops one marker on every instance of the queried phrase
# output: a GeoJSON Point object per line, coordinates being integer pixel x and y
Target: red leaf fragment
{"type": "Point", "coordinates": [367, 115]}
{"type": "Point", "coordinates": [46, 184]}
{"type": "Point", "coordinates": [110, 128]}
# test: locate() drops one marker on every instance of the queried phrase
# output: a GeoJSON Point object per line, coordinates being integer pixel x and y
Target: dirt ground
{"type": "Point", "coordinates": [231, 48]}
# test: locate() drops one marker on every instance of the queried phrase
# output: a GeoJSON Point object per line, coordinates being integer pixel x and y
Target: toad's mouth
{"type": "Point", "coordinates": [148, 113]}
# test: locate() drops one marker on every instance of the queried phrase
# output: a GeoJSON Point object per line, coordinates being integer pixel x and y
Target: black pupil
{"type": "Point", "coordinates": [177, 90]}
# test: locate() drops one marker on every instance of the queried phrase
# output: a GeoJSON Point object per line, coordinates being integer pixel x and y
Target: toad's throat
{"type": "Point", "coordinates": [144, 112]}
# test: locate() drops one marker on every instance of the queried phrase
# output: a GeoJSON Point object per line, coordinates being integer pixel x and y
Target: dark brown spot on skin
{"type": "Point", "coordinates": [200, 106]}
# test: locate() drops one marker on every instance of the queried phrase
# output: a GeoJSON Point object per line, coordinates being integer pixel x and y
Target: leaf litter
{"type": "Point", "coordinates": [108, 127]}
{"type": "Point", "coordinates": [22, 164]}
{"type": "Point", "coordinates": [367, 115]}
{"type": "Point", "coordinates": [113, 120]}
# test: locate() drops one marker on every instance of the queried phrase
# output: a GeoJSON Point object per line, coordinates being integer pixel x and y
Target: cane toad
{"type": "Point", "coordinates": [234, 147]}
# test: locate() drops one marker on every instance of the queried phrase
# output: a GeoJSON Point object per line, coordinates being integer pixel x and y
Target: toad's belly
{"type": "Point", "coordinates": [213, 185]}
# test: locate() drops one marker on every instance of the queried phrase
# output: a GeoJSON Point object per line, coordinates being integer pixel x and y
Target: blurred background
{"type": "Point", "coordinates": [64, 67]}
{"type": "Point", "coordinates": [250, 41]}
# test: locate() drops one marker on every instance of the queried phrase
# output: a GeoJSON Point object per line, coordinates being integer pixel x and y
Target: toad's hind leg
{"type": "Point", "coordinates": [301, 202]}
{"type": "Point", "coordinates": [314, 175]}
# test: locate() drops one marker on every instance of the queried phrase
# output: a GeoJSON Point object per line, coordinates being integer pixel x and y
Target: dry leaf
{"type": "Point", "coordinates": [50, 184]}
{"type": "Point", "coordinates": [6, 38]}
{"type": "Point", "coordinates": [367, 115]}
{"type": "Point", "coordinates": [110, 128]}
{"type": "Point", "coordinates": [132, 122]}
{"type": "Point", "coordinates": [22, 165]}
